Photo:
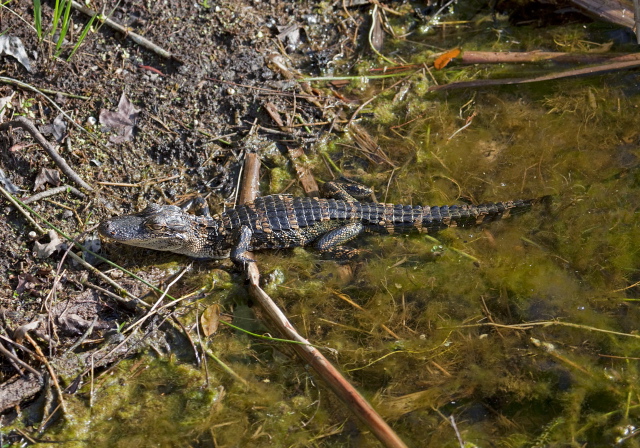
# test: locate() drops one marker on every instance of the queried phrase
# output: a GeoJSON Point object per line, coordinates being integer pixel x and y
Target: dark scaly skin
{"type": "Point", "coordinates": [283, 221]}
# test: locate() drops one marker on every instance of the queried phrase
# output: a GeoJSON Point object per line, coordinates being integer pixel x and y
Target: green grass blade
{"type": "Point", "coordinates": [37, 17]}
{"type": "Point", "coordinates": [66, 21]}
{"type": "Point", "coordinates": [84, 33]}
{"type": "Point", "coordinates": [57, 12]}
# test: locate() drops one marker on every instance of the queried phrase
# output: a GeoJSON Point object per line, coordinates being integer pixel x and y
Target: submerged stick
{"type": "Point", "coordinates": [588, 71]}
{"type": "Point", "coordinates": [334, 379]}
{"type": "Point", "coordinates": [518, 57]}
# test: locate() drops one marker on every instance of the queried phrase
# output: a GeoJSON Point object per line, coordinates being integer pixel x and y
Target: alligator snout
{"type": "Point", "coordinates": [106, 229]}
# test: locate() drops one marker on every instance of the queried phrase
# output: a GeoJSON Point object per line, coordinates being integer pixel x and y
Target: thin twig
{"type": "Point", "coordinates": [126, 304]}
{"type": "Point", "coordinates": [348, 299]}
{"type": "Point", "coordinates": [124, 30]}
{"type": "Point", "coordinates": [53, 103]}
{"type": "Point", "coordinates": [54, 377]}
{"type": "Point", "coordinates": [530, 325]}
{"type": "Point", "coordinates": [226, 368]}
{"type": "Point", "coordinates": [589, 71]}
{"type": "Point", "coordinates": [20, 346]}
{"type": "Point", "coordinates": [363, 105]}
{"type": "Point", "coordinates": [22, 122]}
{"type": "Point", "coordinates": [17, 360]}
{"type": "Point", "coordinates": [84, 336]}
{"type": "Point", "coordinates": [153, 310]}
{"type": "Point", "coordinates": [54, 191]}
{"type": "Point", "coordinates": [106, 279]}
{"type": "Point", "coordinates": [520, 57]}
{"type": "Point", "coordinates": [190, 339]}
{"type": "Point", "coordinates": [25, 213]}
{"type": "Point", "coordinates": [455, 428]}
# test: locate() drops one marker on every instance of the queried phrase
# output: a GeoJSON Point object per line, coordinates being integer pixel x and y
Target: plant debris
{"type": "Point", "coordinates": [12, 46]}
{"type": "Point", "coordinates": [44, 250]}
{"type": "Point", "coordinates": [123, 121]}
{"type": "Point", "coordinates": [47, 176]}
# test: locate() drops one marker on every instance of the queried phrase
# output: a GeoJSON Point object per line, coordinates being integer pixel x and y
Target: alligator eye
{"type": "Point", "coordinates": [154, 225]}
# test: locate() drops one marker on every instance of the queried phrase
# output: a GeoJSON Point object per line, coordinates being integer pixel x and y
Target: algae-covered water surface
{"type": "Point", "coordinates": [521, 333]}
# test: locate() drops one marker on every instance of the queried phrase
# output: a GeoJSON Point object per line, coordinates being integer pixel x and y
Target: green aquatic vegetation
{"type": "Point", "coordinates": [279, 179]}
{"type": "Point", "coordinates": [557, 263]}
{"type": "Point", "coordinates": [145, 402]}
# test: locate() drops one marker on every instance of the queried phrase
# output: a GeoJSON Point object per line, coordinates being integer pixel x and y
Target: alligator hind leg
{"type": "Point", "coordinates": [347, 191]}
{"type": "Point", "coordinates": [330, 243]}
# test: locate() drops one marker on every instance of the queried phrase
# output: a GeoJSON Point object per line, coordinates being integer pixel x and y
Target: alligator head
{"type": "Point", "coordinates": [159, 227]}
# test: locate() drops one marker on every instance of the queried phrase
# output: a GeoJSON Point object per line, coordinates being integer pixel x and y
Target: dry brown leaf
{"type": "Point", "coordinates": [123, 121]}
{"type": "Point", "coordinates": [210, 320]}
{"type": "Point", "coordinates": [47, 176]}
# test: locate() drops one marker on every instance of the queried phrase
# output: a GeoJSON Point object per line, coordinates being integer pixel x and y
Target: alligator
{"type": "Point", "coordinates": [283, 221]}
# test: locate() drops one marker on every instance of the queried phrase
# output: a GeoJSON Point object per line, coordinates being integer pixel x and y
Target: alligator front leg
{"type": "Point", "coordinates": [330, 243]}
{"type": "Point", "coordinates": [242, 246]}
{"type": "Point", "coordinates": [201, 208]}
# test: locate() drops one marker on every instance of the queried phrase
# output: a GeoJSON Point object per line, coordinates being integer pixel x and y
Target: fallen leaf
{"type": "Point", "coordinates": [41, 250]}
{"type": "Point", "coordinates": [12, 46]}
{"type": "Point", "coordinates": [74, 324]}
{"type": "Point", "coordinates": [290, 35]}
{"type": "Point", "coordinates": [123, 121]}
{"type": "Point", "coordinates": [5, 103]}
{"type": "Point", "coordinates": [47, 176]}
{"type": "Point", "coordinates": [377, 35]}
{"type": "Point", "coordinates": [59, 129]}
{"type": "Point", "coordinates": [93, 244]}
{"type": "Point", "coordinates": [7, 184]}
{"type": "Point", "coordinates": [18, 335]}
{"type": "Point", "coordinates": [210, 320]}
{"type": "Point", "coordinates": [444, 59]}
{"type": "Point", "coordinates": [26, 282]}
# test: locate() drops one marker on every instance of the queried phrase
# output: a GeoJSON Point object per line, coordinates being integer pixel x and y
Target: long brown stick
{"type": "Point", "coordinates": [340, 386]}
{"type": "Point", "coordinates": [22, 122]}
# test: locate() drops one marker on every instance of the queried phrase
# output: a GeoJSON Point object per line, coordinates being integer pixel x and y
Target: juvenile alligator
{"type": "Point", "coordinates": [283, 221]}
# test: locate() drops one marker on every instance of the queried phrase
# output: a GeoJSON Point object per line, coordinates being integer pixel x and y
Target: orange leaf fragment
{"type": "Point", "coordinates": [442, 60]}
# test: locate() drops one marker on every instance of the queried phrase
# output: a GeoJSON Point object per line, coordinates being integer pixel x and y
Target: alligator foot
{"type": "Point", "coordinates": [242, 247]}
